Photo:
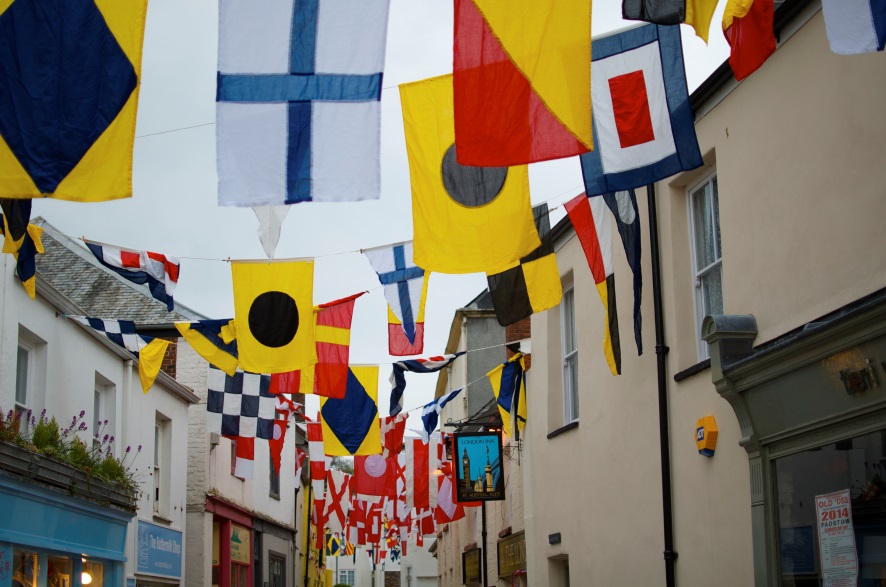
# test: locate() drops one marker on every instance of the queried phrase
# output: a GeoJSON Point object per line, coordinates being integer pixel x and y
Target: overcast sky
{"type": "Point", "coordinates": [174, 211]}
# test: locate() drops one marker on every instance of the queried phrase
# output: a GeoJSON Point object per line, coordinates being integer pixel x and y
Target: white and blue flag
{"type": "Point", "coordinates": [430, 414]}
{"type": "Point", "coordinates": [299, 100]}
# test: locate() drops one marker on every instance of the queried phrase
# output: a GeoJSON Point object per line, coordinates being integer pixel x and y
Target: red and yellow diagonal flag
{"type": "Point", "coordinates": [594, 231]}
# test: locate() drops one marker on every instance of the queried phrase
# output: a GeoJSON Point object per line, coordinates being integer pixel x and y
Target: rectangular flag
{"type": "Point", "coordinates": [405, 286]}
{"type": "Point", "coordinates": [398, 377]}
{"type": "Point", "coordinates": [508, 382]}
{"type": "Point", "coordinates": [522, 81]}
{"type": "Point", "coordinates": [375, 475]}
{"type": "Point", "coordinates": [350, 424]}
{"type": "Point", "coordinates": [69, 90]}
{"type": "Point", "coordinates": [594, 231]}
{"type": "Point", "coordinates": [273, 315]}
{"type": "Point", "coordinates": [643, 124]}
{"type": "Point", "coordinates": [299, 100]}
{"type": "Point", "coordinates": [332, 332]}
{"type": "Point", "coordinates": [421, 462]}
{"type": "Point", "coordinates": [214, 341]}
{"type": "Point", "coordinates": [623, 206]}
{"type": "Point", "coordinates": [338, 499]}
{"type": "Point", "coordinates": [465, 219]}
{"type": "Point", "coordinates": [855, 26]}
{"type": "Point", "coordinates": [317, 458]}
{"type": "Point", "coordinates": [159, 272]}
{"type": "Point", "coordinates": [533, 284]}
{"type": "Point", "coordinates": [22, 240]}
{"type": "Point", "coordinates": [149, 350]}
{"type": "Point", "coordinates": [748, 28]}
{"type": "Point", "coordinates": [244, 456]}
{"type": "Point", "coordinates": [696, 13]}
{"type": "Point", "coordinates": [392, 430]}
{"type": "Point", "coordinates": [240, 405]}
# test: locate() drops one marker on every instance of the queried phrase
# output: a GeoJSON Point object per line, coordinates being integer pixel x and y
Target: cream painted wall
{"type": "Point", "coordinates": [798, 151]}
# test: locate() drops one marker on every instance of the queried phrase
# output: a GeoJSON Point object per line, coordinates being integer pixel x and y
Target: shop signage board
{"type": "Point", "coordinates": [478, 464]}
{"type": "Point", "coordinates": [159, 550]}
{"type": "Point", "coordinates": [241, 551]}
{"type": "Point", "coordinates": [471, 567]}
{"type": "Point", "coordinates": [836, 539]}
{"type": "Point", "coordinates": [511, 554]}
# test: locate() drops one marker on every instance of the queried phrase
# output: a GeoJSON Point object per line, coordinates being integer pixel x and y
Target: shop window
{"type": "Point", "coordinates": [24, 569]}
{"type": "Point", "coordinates": [346, 577]}
{"type": "Point", "coordinates": [93, 574]}
{"type": "Point", "coordinates": [570, 355]}
{"type": "Point", "coordinates": [707, 258]}
{"type": "Point", "coordinates": [276, 571]}
{"type": "Point", "coordinates": [821, 537]}
{"type": "Point", "coordinates": [60, 572]}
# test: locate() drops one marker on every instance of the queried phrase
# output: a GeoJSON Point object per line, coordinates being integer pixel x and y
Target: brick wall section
{"type": "Point", "coordinates": [519, 331]}
{"type": "Point", "coordinates": [392, 578]}
{"type": "Point", "coordinates": [169, 359]}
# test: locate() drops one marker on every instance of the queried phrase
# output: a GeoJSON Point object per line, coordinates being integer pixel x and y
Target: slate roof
{"type": "Point", "coordinates": [69, 267]}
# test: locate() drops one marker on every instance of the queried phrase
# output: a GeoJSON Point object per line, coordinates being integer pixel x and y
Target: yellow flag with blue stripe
{"type": "Point", "coordinates": [69, 89]}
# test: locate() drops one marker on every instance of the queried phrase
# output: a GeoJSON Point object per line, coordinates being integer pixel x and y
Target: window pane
{"type": "Point", "coordinates": [21, 377]}
{"type": "Point", "coordinates": [568, 321]}
{"type": "Point", "coordinates": [857, 465]}
{"type": "Point", "coordinates": [571, 391]}
{"type": "Point", "coordinates": [716, 204]}
{"type": "Point", "coordinates": [712, 290]}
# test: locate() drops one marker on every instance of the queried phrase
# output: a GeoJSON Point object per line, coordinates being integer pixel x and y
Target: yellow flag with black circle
{"type": "Point", "coordinates": [465, 219]}
{"type": "Point", "coordinates": [274, 315]}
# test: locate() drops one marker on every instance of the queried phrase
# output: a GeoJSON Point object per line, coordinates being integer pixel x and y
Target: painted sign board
{"type": "Point", "coordinates": [471, 567]}
{"type": "Point", "coordinates": [240, 546]}
{"type": "Point", "coordinates": [511, 554]}
{"type": "Point", "coordinates": [478, 467]}
{"type": "Point", "coordinates": [836, 539]}
{"type": "Point", "coordinates": [159, 550]}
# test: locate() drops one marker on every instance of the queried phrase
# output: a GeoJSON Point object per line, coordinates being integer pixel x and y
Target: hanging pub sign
{"type": "Point", "coordinates": [478, 467]}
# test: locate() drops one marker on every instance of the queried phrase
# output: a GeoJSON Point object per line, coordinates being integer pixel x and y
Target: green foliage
{"type": "Point", "coordinates": [9, 426]}
{"type": "Point", "coordinates": [46, 436]}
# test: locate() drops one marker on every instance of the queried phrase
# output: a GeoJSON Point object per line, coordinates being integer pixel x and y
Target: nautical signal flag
{"type": "Point", "coordinates": [159, 272]}
{"type": "Point", "coordinates": [405, 286]}
{"type": "Point", "coordinates": [332, 331]}
{"type": "Point", "coordinates": [533, 284]}
{"type": "Point", "coordinates": [299, 101]}
{"type": "Point", "coordinates": [748, 28]}
{"type": "Point", "coordinates": [398, 375]}
{"type": "Point", "coordinates": [214, 341]}
{"type": "Point", "coordinates": [22, 240]}
{"type": "Point", "coordinates": [350, 424]}
{"type": "Point", "coordinates": [465, 219]}
{"type": "Point", "coordinates": [522, 81]}
{"type": "Point", "coordinates": [623, 206]}
{"type": "Point", "coordinates": [696, 13]}
{"type": "Point", "coordinates": [74, 66]}
{"type": "Point", "coordinates": [375, 475]}
{"type": "Point", "coordinates": [149, 350]}
{"type": "Point", "coordinates": [240, 405]}
{"type": "Point", "coordinates": [509, 388]}
{"type": "Point", "coordinates": [273, 315]}
{"type": "Point", "coordinates": [855, 26]}
{"type": "Point", "coordinates": [594, 231]}
{"type": "Point", "coordinates": [643, 125]}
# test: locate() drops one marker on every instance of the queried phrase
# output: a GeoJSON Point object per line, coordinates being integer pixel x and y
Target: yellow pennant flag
{"type": "Point", "coordinates": [509, 388]}
{"type": "Point", "coordinates": [466, 219]}
{"type": "Point", "coordinates": [274, 315]}
{"type": "Point", "coordinates": [69, 127]}
{"type": "Point", "coordinates": [150, 359]}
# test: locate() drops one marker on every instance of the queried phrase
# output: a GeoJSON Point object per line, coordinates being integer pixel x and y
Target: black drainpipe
{"type": "Point", "coordinates": [670, 555]}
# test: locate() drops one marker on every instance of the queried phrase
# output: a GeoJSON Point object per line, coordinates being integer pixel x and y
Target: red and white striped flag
{"type": "Point", "coordinates": [159, 272]}
{"type": "Point", "coordinates": [420, 467]}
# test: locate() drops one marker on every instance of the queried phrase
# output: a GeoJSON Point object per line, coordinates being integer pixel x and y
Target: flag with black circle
{"type": "Point", "coordinates": [273, 315]}
{"type": "Point", "coordinates": [466, 219]}
{"type": "Point", "coordinates": [532, 284]}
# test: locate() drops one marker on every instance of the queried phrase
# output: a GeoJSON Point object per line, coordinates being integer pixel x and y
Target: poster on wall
{"type": "Point", "coordinates": [836, 539]}
{"type": "Point", "coordinates": [159, 550]}
{"type": "Point", "coordinates": [478, 465]}
{"type": "Point", "coordinates": [241, 551]}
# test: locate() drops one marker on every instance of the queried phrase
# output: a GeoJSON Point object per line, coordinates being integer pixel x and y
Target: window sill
{"type": "Point", "coordinates": [274, 496]}
{"type": "Point", "coordinates": [562, 429]}
{"type": "Point", "coordinates": [693, 370]}
{"type": "Point", "coordinates": [162, 519]}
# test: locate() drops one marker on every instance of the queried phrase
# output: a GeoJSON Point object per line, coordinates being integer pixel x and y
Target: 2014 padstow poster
{"type": "Point", "coordinates": [478, 467]}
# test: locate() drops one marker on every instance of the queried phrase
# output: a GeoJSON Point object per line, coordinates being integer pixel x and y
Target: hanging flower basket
{"type": "Point", "coordinates": [31, 467]}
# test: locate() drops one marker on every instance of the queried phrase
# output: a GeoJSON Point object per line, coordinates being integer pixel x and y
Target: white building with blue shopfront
{"type": "Point", "coordinates": [59, 526]}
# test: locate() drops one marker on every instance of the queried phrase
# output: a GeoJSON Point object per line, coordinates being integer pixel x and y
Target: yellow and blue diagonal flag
{"type": "Point", "coordinates": [214, 341]}
{"type": "Point", "coordinates": [508, 382]}
{"type": "Point", "coordinates": [350, 424]}
{"type": "Point", "coordinates": [69, 79]}
{"type": "Point", "coordinates": [22, 240]}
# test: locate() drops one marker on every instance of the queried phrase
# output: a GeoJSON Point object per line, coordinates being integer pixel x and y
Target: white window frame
{"type": "Point", "coordinates": [702, 347]}
{"type": "Point", "coordinates": [104, 405]}
{"type": "Point", "coordinates": [22, 405]}
{"type": "Point", "coordinates": [347, 576]}
{"type": "Point", "coordinates": [161, 471]}
{"type": "Point", "coordinates": [569, 350]}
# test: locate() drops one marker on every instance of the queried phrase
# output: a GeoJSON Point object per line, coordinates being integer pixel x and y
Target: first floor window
{"type": "Point", "coordinates": [22, 385]}
{"type": "Point", "coordinates": [707, 258]}
{"type": "Point", "coordinates": [346, 577]}
{"type": "Point", "coordinates": [276, 571]}
{"type": "Point", "coordinates": [570, 357]}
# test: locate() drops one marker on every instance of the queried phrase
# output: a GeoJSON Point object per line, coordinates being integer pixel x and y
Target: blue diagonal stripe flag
{"type": "Point", "coordinates": [398, 377]}
{"type": "Point", "coordinates": [430, 414]}
{"type": "Point", "coordinates": [299, 100]}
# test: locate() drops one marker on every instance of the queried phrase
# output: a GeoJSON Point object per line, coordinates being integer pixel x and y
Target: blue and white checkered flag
{"type": "Point", "coordinates": [121, 332]}
{"type": "Point", "coordinates": [240, 405]}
